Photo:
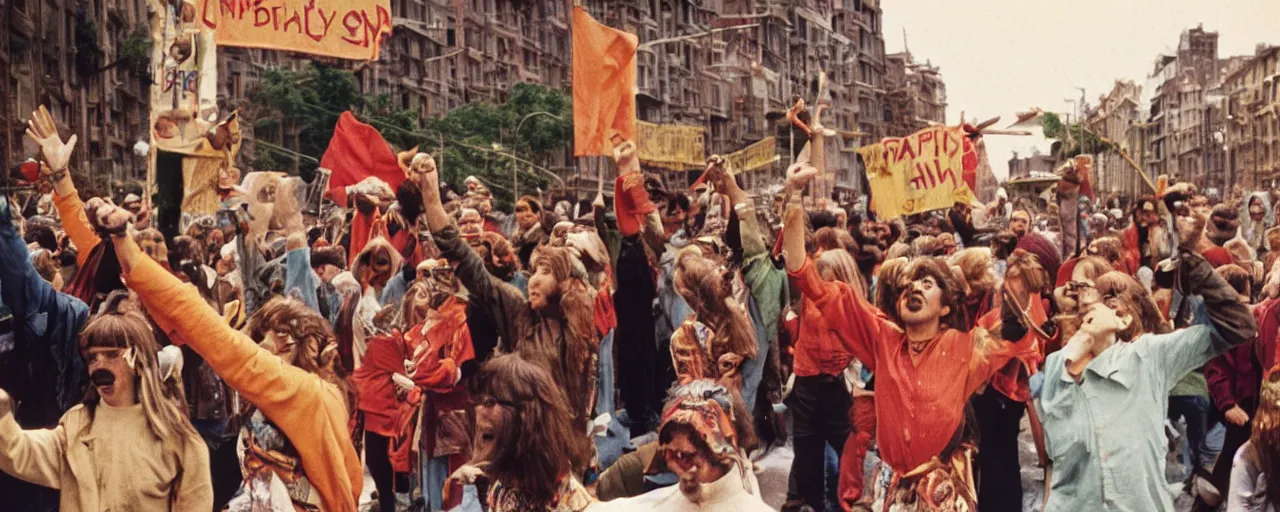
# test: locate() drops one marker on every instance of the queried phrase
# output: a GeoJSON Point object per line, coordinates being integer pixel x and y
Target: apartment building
{"type": "Point", "coordinates": [1118, 118]}
{"type": "Point", "coordinates": [86, 61]}
{"type": "Point", "coordinates": [1252, 125]}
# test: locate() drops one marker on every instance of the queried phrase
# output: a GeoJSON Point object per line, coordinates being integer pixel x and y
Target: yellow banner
{"type": "Point", "coordinates": [672, 147]}
{"type": "Point", "coordinates": [347, 29]}
{"type": "Point", "coordinates": [757, 155]}
{"type": "Point", "coordinates": [917, 173]}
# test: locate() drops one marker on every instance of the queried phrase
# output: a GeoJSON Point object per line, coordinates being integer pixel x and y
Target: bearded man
{"type": "Point", "coordinates": [926, 370]}
{"type": "Point", "coordinates": [129, 445]}
{"type": "Point", "coordinates": [1104, 403]}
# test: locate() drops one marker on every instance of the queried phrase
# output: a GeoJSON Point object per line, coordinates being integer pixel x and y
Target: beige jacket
{"type": "Point", "coordinates": [64, 458]}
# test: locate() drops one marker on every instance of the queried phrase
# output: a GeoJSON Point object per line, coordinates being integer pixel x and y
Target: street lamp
{"type": "Point", "coordinates": [515, 176]}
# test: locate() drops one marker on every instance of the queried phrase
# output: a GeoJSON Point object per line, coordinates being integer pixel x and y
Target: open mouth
{"type": "Point", "coordinates": [915, 303]}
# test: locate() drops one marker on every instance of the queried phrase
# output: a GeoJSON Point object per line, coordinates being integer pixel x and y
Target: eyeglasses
{"type": "Point", "coordinates": [105, 356]}
{"type": "Point", "coordinates": [681, 458]}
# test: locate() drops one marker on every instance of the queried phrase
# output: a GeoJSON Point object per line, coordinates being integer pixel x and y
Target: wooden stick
{"type": "Point", "coordinates": [997, 131]}
{"type": "Point", "coordinates": [985, 124]}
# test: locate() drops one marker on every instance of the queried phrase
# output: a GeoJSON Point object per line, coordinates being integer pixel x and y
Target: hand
{"type": "Point", "coordinates": [1236, 416]}
{"type": "Point", "coordinates": [468, 474]}
{"type": "Point", "coordinates": [296, 241]}
{"type": "Point", "coordinates": [598, 202]}
{"type": "Point", "coordinates": [112, 219]}
{"type": "Point", "coordinates": [1183, 188]}
{"type": "Point", "coordinates": [800, 174]}
{"type": "Point", "coordinates": [42, 130]}
{"type": "Point", "coordinates": [429, 182]}
{"type": "Point", "coordinates": [6, 404]}
{"type": "Point", "coordinates": [625, 157]}
{"type": "Point", "coordinates": [405, 159]}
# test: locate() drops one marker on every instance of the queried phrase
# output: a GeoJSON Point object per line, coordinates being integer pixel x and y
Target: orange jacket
{"type": "Point", "coordinates": [310, 411]}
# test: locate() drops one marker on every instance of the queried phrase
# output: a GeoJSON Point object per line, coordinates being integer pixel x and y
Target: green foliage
{"type": "Point", "coordinates": [1067, 138]}
{"type": "Point", "coordinates": [298, 110]}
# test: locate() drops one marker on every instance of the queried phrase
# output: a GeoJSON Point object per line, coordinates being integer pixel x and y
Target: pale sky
{"type": "Point", "coordinates": [1002, 56]}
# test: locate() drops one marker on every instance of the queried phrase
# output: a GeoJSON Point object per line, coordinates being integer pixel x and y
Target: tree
{"type": "Point", "coordinates": [1068, 138]}
{"type": "Point", "coordinates": [299, 109]}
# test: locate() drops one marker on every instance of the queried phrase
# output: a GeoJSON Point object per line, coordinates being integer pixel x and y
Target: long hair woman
{"type": "Point", "coordinates": [299, 448]}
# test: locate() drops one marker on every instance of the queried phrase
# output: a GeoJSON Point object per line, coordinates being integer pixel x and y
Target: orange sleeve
{"type": "Point", "coordinates": [853, 320]}
{"type": "Point", "coordinates": [310, 411]}
{"type": "Point", "coordinates": [76, 224]}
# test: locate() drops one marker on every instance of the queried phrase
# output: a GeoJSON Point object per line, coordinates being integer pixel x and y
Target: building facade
{"type": "Point", "coordinates": [1118, 118]}
{"type": "Point", "coordinates": [1252, 126]}
{"type": "Point", "coordinates": [87, 62]}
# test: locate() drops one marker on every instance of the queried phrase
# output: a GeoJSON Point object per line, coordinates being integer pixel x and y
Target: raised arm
{"type": "Point", "coordinates": [502, 302]}
{"type": "Point", "coordinates": [32, 455]}
{"type": "Point", "coordinates": [311, 412]}
{"type": "Point", "coordinates": [25, 292]}
{"type": "Point", "coordinates": [857, 323]}
{"type": "Point", "coordinates": [1230, 322]}
{"type": "Point", "coordinates": [299, 279]}
{"type": "Point", "coordinates": [57, 155]}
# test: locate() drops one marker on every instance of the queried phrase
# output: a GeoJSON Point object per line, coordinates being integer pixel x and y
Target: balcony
{"type": "Point", "coordinates": [22, 25]}
{"type": "Point", "coordinates": [506, 23]}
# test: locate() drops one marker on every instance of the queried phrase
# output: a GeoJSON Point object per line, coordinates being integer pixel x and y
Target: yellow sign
{"type": "Point", "coordinates": [917, 173]}
{"type": "Point", "coordinates": [347, 29]}
{"type": "Point", "coordinates": [672, 147]}
{"type": "Point", "coordinates": [757, 155]}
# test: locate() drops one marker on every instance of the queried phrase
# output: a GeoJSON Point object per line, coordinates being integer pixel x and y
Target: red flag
{"type": "Point", "coordinates": [357, 151]}
{"type": "Point", "coordinates": [604, 84]}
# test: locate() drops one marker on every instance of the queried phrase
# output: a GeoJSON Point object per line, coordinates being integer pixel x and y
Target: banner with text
{"type": "Point", "coordinates": [674, 147]}
{"type": "Point", "coordinates": [347, 29]}
{"type": "Point", "coordinates": [760, 154]}
{"type": "Point", "coordinates": [918, 173]}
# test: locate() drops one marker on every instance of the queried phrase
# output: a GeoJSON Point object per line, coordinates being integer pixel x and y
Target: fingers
{"type": "Point", "coordinates": [71, 143]}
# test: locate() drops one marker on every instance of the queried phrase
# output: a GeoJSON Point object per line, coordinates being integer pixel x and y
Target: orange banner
{"type": "Point", "coordinates": [604, 84]}
{"type": "Point", "coordinates": [347, 29]}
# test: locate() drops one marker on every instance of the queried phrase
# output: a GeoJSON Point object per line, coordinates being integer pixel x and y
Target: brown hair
{"type": "Point", "coordinates": [45, 265]}
{"type": "Point", "coordinates": [1109, 249]}
{"type": "Point", "coordinates": [975, 263]}
{"type": "Point", "coordinates": [1264, 442]}
{"type": "Point", "coordinates": [306, 326]}
{"type": "Point", "coordinates": [1025, 265]}
{"type": "Point", "coordinates": [708, 289]}
{"type": "Point", "coordinates": [1093, 267]}
{"type": "Point", "coordinates": [122, 325]}
{"type": "Point", "coordinates": [1137, 301]}
{"type": "Point", "coordinates": [576, 305]}
{"type": "Point", "coordinates": [941, 273]}
{"type": "Point", "coordinates": [1239, 278]}
{"type": "Point", "coordinates": [889, 285]}
{"type": "Point", "coordinates": [838, 265]}
{"type": "Point", "coordinates": [539, 440]}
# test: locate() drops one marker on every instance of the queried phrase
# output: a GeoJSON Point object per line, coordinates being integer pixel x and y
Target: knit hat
{"type": "Point", "coordinates": [330, 255]}
{"type": "Point", "coordinates": [1044, 250]}
{"type": "Point", "coordinates": [1223, 224]}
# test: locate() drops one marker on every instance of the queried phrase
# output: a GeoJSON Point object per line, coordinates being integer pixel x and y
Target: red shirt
{"type": "Point", "coordinates": [1011, 380]}
{"type": "Point", "coordinates": [919, 403]}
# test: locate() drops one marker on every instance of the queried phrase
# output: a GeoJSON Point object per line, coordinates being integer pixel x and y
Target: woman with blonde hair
{"type": "Point", "coordinates": [1255, 471]}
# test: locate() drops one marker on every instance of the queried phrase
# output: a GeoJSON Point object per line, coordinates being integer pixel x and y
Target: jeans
{"type": "Point", "coordinates": [819, 408]}
{"type": "Point", "coordinates": [999, 472]}
{"type": "Point", "coordinates": [1195, 409]}
{"type": "Point", "coordinates": [385, 479]}
{"type": "Point", "coordinates": [224, 464]}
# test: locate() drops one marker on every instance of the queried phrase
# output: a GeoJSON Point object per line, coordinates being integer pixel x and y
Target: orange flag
{"type": "Point", "coordinates": [604, 84]}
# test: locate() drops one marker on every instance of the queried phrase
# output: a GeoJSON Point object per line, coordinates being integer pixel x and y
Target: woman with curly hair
{"type": "Point", "coordinates": [714, 341]}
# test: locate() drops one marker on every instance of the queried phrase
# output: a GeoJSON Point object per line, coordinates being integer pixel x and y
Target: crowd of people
{"type": "Point", "coordinates": [643, 353]}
